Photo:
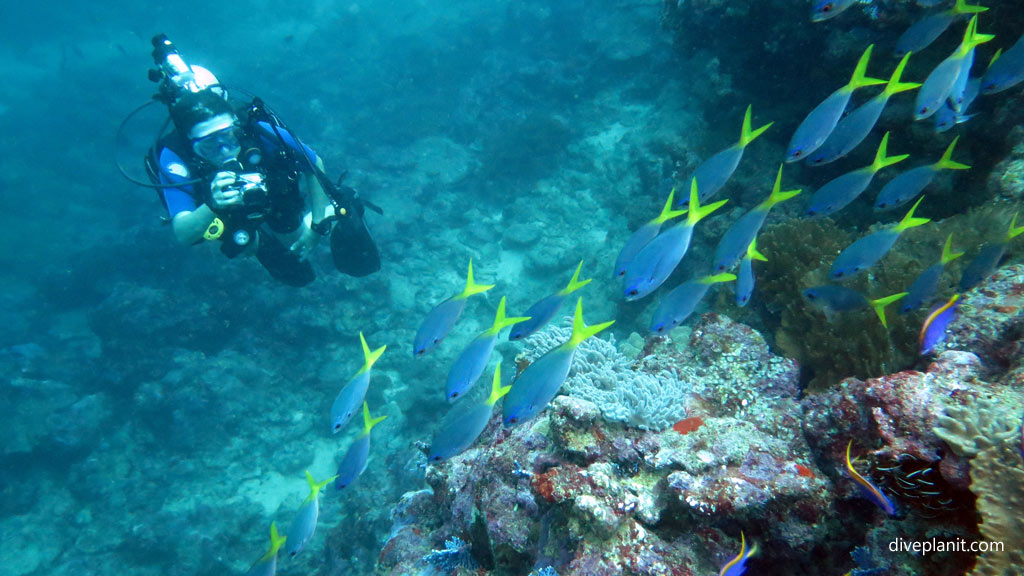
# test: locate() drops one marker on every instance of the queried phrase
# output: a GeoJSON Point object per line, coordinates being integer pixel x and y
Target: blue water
{"type": "Point", "coordinates": [161, 403]}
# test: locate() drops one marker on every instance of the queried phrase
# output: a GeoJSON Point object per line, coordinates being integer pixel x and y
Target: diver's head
{"type": "Point", "coordinates": [209, 123]}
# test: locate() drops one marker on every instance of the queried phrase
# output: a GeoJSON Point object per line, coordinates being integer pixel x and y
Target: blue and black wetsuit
{"type": "Point", "coordinates": [272, 152]}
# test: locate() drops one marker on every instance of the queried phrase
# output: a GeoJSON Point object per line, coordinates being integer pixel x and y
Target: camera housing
{"type": "Point", "coordinates": [253, 188]}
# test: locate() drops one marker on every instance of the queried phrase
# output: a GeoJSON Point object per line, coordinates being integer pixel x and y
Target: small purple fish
{"type": "Point", "coordinates": [934, 330]}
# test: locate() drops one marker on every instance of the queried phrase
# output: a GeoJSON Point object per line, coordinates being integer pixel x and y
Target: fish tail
{"type": "Point", "coordinates": [972, 38]}
{"type": "Point", "coordinates": [859, 79]}
{"type": "Point", "coordinates": [777, 194]}
{"type": "Point", "coordinates": [471, 286]}
{"type": "Point", "coordinates": [747, 135]}
{"type": "Point", "coordinates": [276, 541]}
{"type": "Point", "coordinates": [909, 221]}
{"type": "Point", "coordinates": [995, 57]}
{"type": "Point", "coordinates": [752, 252]}
{"type": "Point", "coordinates": [1014, 230]}
{"type": "Point", "coordinates": [715, 279]}
{"type": "Point", "coordinates": [315, 487]}
{"type": "Point", "coordinates": [881, 160]}
{"type": "Point", "coordinates": [501, 321]}
{"type": "Point", "coordinates": [368, 422]}
{"type": "Point", "coordinates": [895, 86]}
{"type": "Point", "coordinates": [497, 390]}
{"type": "Point", "coordinates": [581, 331]}
{"type": "Point", "coordinates": [698, 212]}
{"type": "Point", "coordinates": [946, 162]}
{"type": "Point", "coordinates": [947, 251]}
{"type": "Point", "coordinates": [575, 283]}
{"type": "Point", "coordinates": [879, 308]}
{"type": "Point", "coordinates": [962, 8]}
{"type": "Point", "coordinates": [667, 213]}
{"type": "Point", "coordinates": [370, 357]}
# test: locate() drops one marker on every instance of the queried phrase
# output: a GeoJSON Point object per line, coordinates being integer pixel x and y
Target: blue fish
{"type": "Point", "coordinates": [745, 278]}
{"type": "Point", "coordinates": [713, 173]}
{"type": "Point", "coordinates": [839, 192]}
{"type": "Point", "coordinates": [988, 258]}
{"type": "Point", "coordinates": [538, 315]}
{"type": "Point", "coordinates": [267, 564]}
{"type": "Point", "coordinates": [828, 9]}
{"type": "Point", "coordinates": [832, 299]}
{"type": "Point", "coordinates": [440, 320]}
{"type": "Point", "coordinates": [933, 332]}
{"type": "Point", "coordinates": [653, 265]}
{"type": "Point", "coordinates": [463, 424]}
{"type": "Point", "coordinates": [738, 237]}
{"type": "Point", "coordinates": [1005, 71]}
{"type": "Point", "coordinates": [539, 382]}
{"type": "Point", "coordinates": [471, 362]}
{"type": "Point", "coordinates": [818, 125]}
{"type": "Point", "coordinates": [352, 394]}
{"type": "Point", "coordinates": [870, 490]}
{"type": "Point", "coordinates": [943, 80]}
{"type": "Point", "coordinates": [852, 129]}
{"type": "Point", "coordinates": [922, 33]}
{"type": "Point", "coordinates": [643, 235]}
{"type": "Point", "coordinates": [922, 291]}
{"type": "Point", "coordinates": [737, 565]}
{"type": "Point", "coordinates": [354, 462]}
{"type": "Point", "coordinates": [677, 306]}
{"type": "Point", "coordinates": [946, 118]}
{"type": "Point", "coordinates": [906, 186]}
{"type": "Point", "coordinates": [304, 524]}
{"type": "Point", "coordinates": [868, 250]}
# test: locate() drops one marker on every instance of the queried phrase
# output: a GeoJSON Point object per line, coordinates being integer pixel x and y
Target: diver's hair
{"type": "Point", "coordinates": [192, 108]}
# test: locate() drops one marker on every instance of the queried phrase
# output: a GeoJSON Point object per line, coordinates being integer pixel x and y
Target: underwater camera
{"type": "Point", "coordinates": [252, 187]}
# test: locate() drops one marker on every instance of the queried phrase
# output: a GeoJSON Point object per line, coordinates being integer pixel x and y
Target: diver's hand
{"type": "Point", "coordinates": [221, 197]}
{"type": "Point", "coordinates": [306, 242]}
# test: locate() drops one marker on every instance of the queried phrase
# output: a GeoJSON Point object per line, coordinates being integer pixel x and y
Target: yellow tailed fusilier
{"type": "Point", "coordinates": [855, 127]}
{"type": "Point", "coordinates": [538, 315]}
{"type": "Point", "coordinates": [653, 265]}
{"type": "Point", "coordinates": [739, 236]}
{"type": "Point", "coordinates": [440, 320]}
{"type": "Point", "coordinates": [464, 422]}
{"type": "Point", "coordinates": [539, 383]}
{"type": "Point", "coordinates": [866, 251]}
{"type": "Point", "coordinates": [832, 299]}
{"type": "Point", "coordinates": [818, 125]}
{"type": "Point", "coordinates": [351, 395]}
{"type": "Point", "coordinates": [471, 362]}
{"type": "Point", "coordinates": [267, 564]}
{"type": "Point", "coordinates": [904, 187]}
{"type": "Point", "coordinates": [922, 291]}
{"type": "Point", "coordinates": [745, 278]}
{"type": "Point", "coordinates": [713, 173]}
{"type": "Point", "coordinates": [354, 462]}
{"type": "Point", "coordinates": [949, 78]}
{"type": "Point", "coordinates": [987, 260]}
{"type": "Point", "coordinates": [643, 235]}
{"type": "Point", "coordinates": [304, 524]}
{"type": "Point", "coordinates": [839, 192]}
{"type": "Point", "coordinates": [677, 306]}
{"type": "Point", "coordinates": [922, 33]}
{"type": "Point", "coordinates": [1006, 71]}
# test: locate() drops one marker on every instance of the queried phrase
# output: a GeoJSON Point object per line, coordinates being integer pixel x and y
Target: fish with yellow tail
{"type": "Point", "coordinates": [538, 315]}
{"type": "Point", "coordinates": [678, 304]}
{"type": "Point", "coordinates": [304, 525]}
{"type": "Point", "coordinates": [644, 234]}
{"type": "Point", "coordinates": [351, 395]}
{"type": "Point", "coordinates": [907, 185]}
{"type": "Point", "coordinates": [837, 193]}
{"type": "Point", "coordinates": [923, 32]}
{"type": "Point", "coordinates": [442, 318]}
{"type": "Point", "coordinates": [471, 362]}
{"type": "Point", "coordinates": [656, 261]}
{"type": "Point", "coordinates": [738, 237]}
{"type": "Point", "coordinates": [949, 78]}
{"type": "Point", "coordinates": [267, 564]}
{"type": "Point", "coordinates": [868, 250]}
{"type": "Point", "coordinates": [870, 490]}
{"type": "Point", "coordinates": [713, 173]}
{"type": "Point", "coordinates": [832, 299]}
{"type": "Point", "coordinates": [745, 277]}
{"type": "Point", "coordinates": [465, 422]}
{"type": "Point", "coordinates": [539, 382]}
{"type": "Point", "coordinates": [354, 462]}
{"type": "Point", "coordinates": [988, 258]}
{"type": "Point", "coordinates": [819, 124]}
{"type": "Point", "coordinates": [922, 291]}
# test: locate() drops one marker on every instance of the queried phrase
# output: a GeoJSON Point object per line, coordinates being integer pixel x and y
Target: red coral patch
{"type": "Point", "coordinates": [687, 425]}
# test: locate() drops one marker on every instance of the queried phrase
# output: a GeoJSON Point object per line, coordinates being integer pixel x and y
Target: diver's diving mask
{"type": "Point", "coordinates": [217, 139]}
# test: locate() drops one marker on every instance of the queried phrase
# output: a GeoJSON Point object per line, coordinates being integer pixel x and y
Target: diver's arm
{"type": "Point", "coordinates": [318, 201]}
{"type": "Point", "coordinates": [189, 226]}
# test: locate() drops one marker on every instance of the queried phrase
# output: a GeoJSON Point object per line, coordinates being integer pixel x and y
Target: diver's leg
{"type": "Point", "coordinates": [282, 263]}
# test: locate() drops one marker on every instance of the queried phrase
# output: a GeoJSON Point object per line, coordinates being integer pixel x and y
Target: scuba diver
{"type": "Point", "coordinates": [231, 172]}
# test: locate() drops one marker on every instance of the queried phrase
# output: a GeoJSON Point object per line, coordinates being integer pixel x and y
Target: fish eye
{"type": "Point", "coordinates": [924, 110]}
{"type": "Point", "coordinates": [812, 212]}
{"type": "Point", "coordinates": [826, 8]}
{"type": "Point", "coordinates": [810, 295]}
{"type": "Point", "coordinates": [454, 394]}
